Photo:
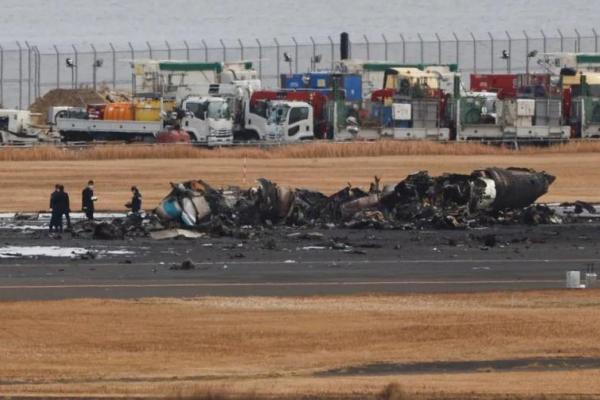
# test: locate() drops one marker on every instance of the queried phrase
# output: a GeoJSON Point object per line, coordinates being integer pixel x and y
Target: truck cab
{"type": "Point", "coordinates": [15, 127]}
{"type": "Point", "coordinates": [208, 120]}
{"type": "Point", "coordinates": [290, 121]}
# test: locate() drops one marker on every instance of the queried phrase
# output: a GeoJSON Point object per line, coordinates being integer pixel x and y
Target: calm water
{"type": "Point", "coordinates": [45, 22]}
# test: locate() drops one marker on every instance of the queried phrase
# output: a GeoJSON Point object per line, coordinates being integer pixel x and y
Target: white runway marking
{"type": "Point", "coordinates": [315, 262]}
{"type": "Point", "coordinates": [275, 284]}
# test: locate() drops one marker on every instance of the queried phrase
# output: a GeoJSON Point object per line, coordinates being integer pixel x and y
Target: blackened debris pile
{"type": "Point", "coordinates": [488, 196]}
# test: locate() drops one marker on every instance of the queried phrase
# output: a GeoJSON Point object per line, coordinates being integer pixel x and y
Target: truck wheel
{"type": "Point", "coordinates": [193, 137]}
{"type": "Point", "coordinates": [60, 114]}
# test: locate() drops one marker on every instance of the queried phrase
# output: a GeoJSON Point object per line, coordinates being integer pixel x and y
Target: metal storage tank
{"type": "Point", "coordinates": [119, 112]}
{"type": "Point", "coordinates": [149, 109]}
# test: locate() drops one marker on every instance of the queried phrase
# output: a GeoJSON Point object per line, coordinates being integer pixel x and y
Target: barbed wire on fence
{"type": "Point", "coordinates": [28, 71]}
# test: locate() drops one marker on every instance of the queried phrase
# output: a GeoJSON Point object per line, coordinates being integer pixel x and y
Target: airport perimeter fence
{"type": "Point", "coordinates": [28, 71]}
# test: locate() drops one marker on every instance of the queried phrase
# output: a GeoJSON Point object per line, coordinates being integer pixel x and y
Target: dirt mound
{"type": "Point", "coordinates": [65, 97]}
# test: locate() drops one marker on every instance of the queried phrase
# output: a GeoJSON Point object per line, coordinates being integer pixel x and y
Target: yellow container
{"type": "Point", "coordinates": [119, 112]}
{"type": "Point", "coordinates": [149, 109]}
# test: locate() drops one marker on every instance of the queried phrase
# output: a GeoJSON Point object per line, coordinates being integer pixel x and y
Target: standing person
{"type": "Point", "coordinates": [136, 201]}
{"type": "Point", "coordinates": [67, 206]}
{"type": "Point", "coordinates": [54, 208]}
{"type": "Point", "coordinates": [87, 200]}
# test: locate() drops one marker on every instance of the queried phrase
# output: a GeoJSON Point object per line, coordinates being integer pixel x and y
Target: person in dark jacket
{"type": "Point", "coordinates": [67, 206]}
{"type": "Point", "coordinates": [136, 201]}
{"type": "Point", "coordinates": [87, 200]}
{"type": "Point", "coordinates": [55, 218]}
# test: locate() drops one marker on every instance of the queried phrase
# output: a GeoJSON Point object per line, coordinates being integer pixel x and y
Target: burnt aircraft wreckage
{"type": "Point", "coordinates": [449, 201]}
{"type": "Point", "coordinates": [488, 196]}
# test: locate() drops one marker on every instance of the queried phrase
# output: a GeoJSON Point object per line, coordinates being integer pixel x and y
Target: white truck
{"type": "Point", "coordinates": [289, 121]}
{"type": "Point", "coordinates": [208, 120]}
{"type": "Point", "coordinates": [85, 130]}
{"type": "Point", "coordinates": [237, 112]}
{"type": "Point", "coordinates": [16, 127]}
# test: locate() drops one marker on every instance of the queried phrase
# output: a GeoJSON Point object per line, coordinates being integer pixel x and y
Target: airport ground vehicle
{"type": "Point", "coordinates": [257, 109]}
{"type": "Point", "coordinates": [204, 115]}
{"type": "Point", "coordinates": [207, 120]}
{"type": "Point", "coordinates": [412, 105]}
{"type": "Point", "coordinates": [290, 121]}
{"type": "Point", "coordinates": [16, 127]}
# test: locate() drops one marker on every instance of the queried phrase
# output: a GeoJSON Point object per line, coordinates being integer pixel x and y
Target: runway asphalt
{"type": "Point", "coordinates": [278, 262]}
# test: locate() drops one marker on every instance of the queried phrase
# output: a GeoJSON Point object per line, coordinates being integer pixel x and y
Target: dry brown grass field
{"type": "Point", "coordinates": [274, 346]}
{"type": "Point", "coordinates": [26, 185]}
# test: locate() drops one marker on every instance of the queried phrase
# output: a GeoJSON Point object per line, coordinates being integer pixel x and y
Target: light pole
{"type": "Point", "coordinates": [97, 64]}
{"type": "Point", "coordinates": [71, 64]}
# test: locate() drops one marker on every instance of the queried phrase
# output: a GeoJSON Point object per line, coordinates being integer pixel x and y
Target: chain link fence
{"type": "Point", "coordinates": [28, 72]}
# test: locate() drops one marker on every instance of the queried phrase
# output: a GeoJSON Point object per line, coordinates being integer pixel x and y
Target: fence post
{"type": "Point", "coordinates": [38, 71]}
{"type": "Point", "coordinates": [474, 53]}
{"type": "Point", "coordinates": [131, 49]}
{"type": "Point", "coordinates": [133, 80]}
{"type": "Point", "coordinates": [595, 40]}
{"type": "Point", "coordinates": [205, 50]}
{"type": "Point", "coordinates": [57, 66]}
{"type": "Point", "coordinates": [385, 47]}
{"type": "Point", "coordinates": [368, 47]}
{"type": "Point", "coordinates": [168, 49]}
{"type": "Point", "coordinates": [278, 57]}
{"type": "Point", "coordinates": [457, 48]}
{"type": "Point", "coordinates": [1, 76]}
{"type": "Point", "coordinates": [94, 69]}
{"type": "Point", "coordinates": [544, 41]}
{"type": "Point", "coordinates": [150, 55]}
{"type": "Point", "coordinates": [114, 65]}
{"type": "Point", "coordinates": [332, 52]}
{"type": "Point", "coordinates": [224, 50]}
{"type": "Point", "coordinates": [508, 61]}
{"type": "Point", "coordinates": [526, 52]}
{"type": "Point", "coordinates": [260, 56]}
{"type": "Point", "coordinates": [578, 43]}
{"type": "Point", "coordinates": [403, 48]}
{"type": "Point", "coordinates": [562, 40]}
{"type": "Point", "coordinates": [295, 55]}
{"type": "Point", "coordinates": [187, 50]}
{"type": "Point", "coordinates": [241, 49]}
{"type": "Point", "coordinates": [439, 43]}
{"type": "Point", "coordinates": [421, 48]}
{"type": "Point", "coordinates": [491, 52]}
{"type": "Point", "coordinates": [20, 75]}
{"type": "Point", "coordinates": [313, 64]}
{"type": "Point", "coordinates": [28, 73]}
{"type": "Point", "coordinates": [75, 69]}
